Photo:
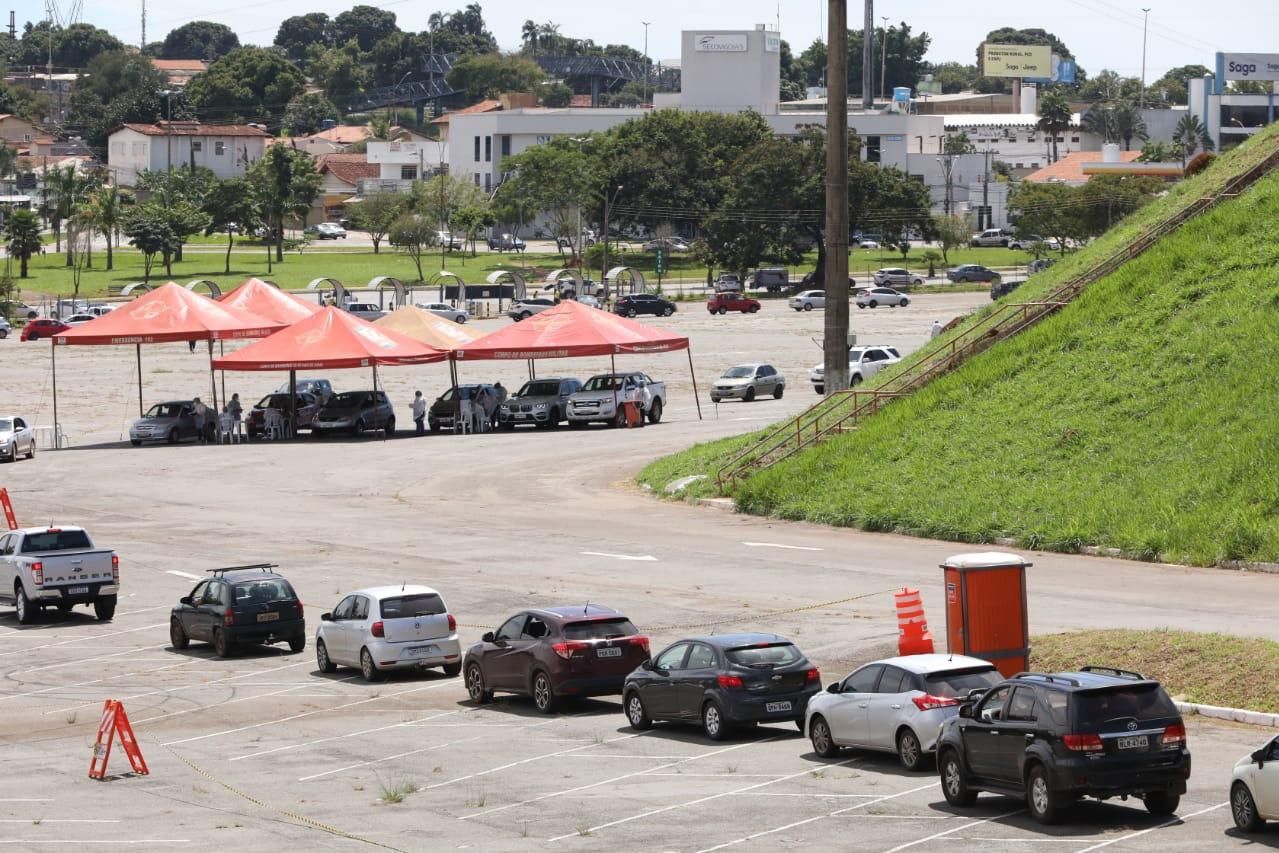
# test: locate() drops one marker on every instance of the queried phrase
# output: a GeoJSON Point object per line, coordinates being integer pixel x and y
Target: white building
{"type": "Point", "coordinates": [731, 70]}
{"type": "Point", "coordinates": [227, 150]}
{"type": "Point", "coordinates": [401, 163]}
{"type": "Point", "coordinates": [1231, 118]}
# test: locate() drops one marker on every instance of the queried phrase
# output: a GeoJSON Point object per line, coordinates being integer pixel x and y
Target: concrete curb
{"type": "Point", "coordinates": [717, 503]}
{"type": "Point", "coordinates": [1234, 715]}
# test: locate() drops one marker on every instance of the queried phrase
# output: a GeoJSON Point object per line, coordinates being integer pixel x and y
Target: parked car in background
{"type": "Point", "coordinates": [57, 567]}
{"type": "Point", "coordinates": [80, 319]}
{"type": "Point", "coordinates": [555, 653]}
{"type": "Point", "coordinates": [1024, 241]}
{"type": "Point", "coordinates": [991, 237]}
{"type": "Point", "coordinates": [522, 309]}
{"type": "Point", "coordinates": [16, 436]}
{"type": "Point", "coordinates": [643, 303]}
{"type": "Point", "coordinates": [307, 408]}
{"type": "Point", "coordinates": [863, 363]}
{"type": "Point", "coordinates": [321, 389]}
{"type": "Point", "coordinates": [325, 231]}
{"type": "Point", "coordinates": [172, 422]}
{"type": "Point", "coordinates": [101, 309]}
{"type": "Point", "coordinates": [506, 243]}
{"type": "Point", "coordinates": [748, 381]}
{"type": "Point", "coordinates": [1254, 790]}
{"type": "Point", "coordinates": [5, 328]}
{"type": "Point", "coordinates": [897, 275]}
{"type": "Point", "coordinates": [807, 300]}
{"type": "Point", "coordinates": [895, 705]}
{"type": "Point", "coordinates": [772, 279]}
{"type": "Point", "coordinates": [724, 301]}
{"type": "Point", "coordinates": [444, 410]}
{"type": "Point", "coordinates": [588, 301]}
{"type": "Point", "coordinates": [722, 681]}
{"type": "Point", "coordinates": [18, 311]}
{"type": "Point", "coordinates": [727, 281]}
{"type": "Point", "coordinates": [873, 297]}
{"type": "Point", "coordinates": [667, 244]}
{"type": "Point", "coordinates": [365, 310]}
{"type": "Point", "coordinates": [452, 242]}
{"type": "Point", "coordinates": [386, 628]}
{"type": "Point", "coordinates": [42, 327]}
{"type": "Point", "coordinates": [601, 396]}
{"type": "Point", "coordinates": [238, 606]}
{"type": "Point", "coordinates": [971, 272]}
{"type": "Point", "coordinates": [1039, 265]}
{"type": "Point", "coordinates": [445, 310]}
{"type": "Point", "coordinates": [1001, 288]}
{"type": "Point", "coordinates": [1055, 739]}
{"type": "Point", "coordinates": [541, 402]}
{"type": "Point", "coordinates": [866, 243]}
{"type": "Point", "coordinates": [355, 412]}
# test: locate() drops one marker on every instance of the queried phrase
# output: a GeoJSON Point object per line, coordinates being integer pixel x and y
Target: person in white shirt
{"type": "Point", "coordinates": [936, 328]}
{"type": "Point", "coordinates": [419, 412]}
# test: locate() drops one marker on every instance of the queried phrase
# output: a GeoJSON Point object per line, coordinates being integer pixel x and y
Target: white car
{"type": "Point", "coordinates": [808, 300]}
{"type": "Point", "coordinates": [365, 311]}
{"type": "Point", "coordinates": [445, 310]}
{"type": "Point", "coordinates": [5, 328]}
{"type": "Point", "coordinates": [80, 319]}
{"type": "Point", "coordinates": [16, 437]}
{"type": "Point", "coordinates": [897, 275]}
{"type": "Point", "coordinates": [873, 297]}
{"type": "Point", "coordinates": [389, 627]}
{"type": "Point", "coordinates": [1254, 793]}
{"type": "Point", "coordinates": [895, 705]}
{"type": "Point", "coordinates": [863, 363]}
{"type": "Point", "coordinates": [588, 301]}
{"type": "Point", "coordinates": [867, 244]}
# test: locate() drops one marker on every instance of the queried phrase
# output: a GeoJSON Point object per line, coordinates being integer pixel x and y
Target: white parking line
{"type": "Point", "coordinates": [336, 737]}
{"type": "Point", "coordinates": [148, 841]}
{"type": "Point", "coordinates": [27, 800]}
{"type": "Point", "coordinates": [186, 575]}
{"type": "Point", "coordinates": [808, 794]}
{"type": "Point", "coordinates": [81, 661]}
{"type": "Point", "coordinates": [199, 708]}
{"type": "Point", "coordinates": [397, 755]}
{"type": "Point", "coordinates": [57, 687]}
{"type": "Point", "coordinates": [511, 764]}
{"type": "Point", "coordinates": [86, 638]}
{"type": "Point", "coordinates": [779, 545]}
{"type": "Point", "coordinates": [646, 558]}
{"type": "Point", "coordinates": [952, 831]}
{"type": "Point", "coordinates": [199, 686]}
{"type": "Point", "coordinates": [1165, 824]}
{"type": "Point", "coordinates": [58, 820]}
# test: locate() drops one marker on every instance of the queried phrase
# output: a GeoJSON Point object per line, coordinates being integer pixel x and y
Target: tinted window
{"type": "Point", "coordinates": [672, 658]}
{"type": "Point", "coordinates": [540, 388]}
{"type": "Point", "coordinates": [1058, 704]}
{"type": "Point", "coordinates": [599, 629]}
{"type": "Point", "coordinates": [420, 604]}
{"type": "Point", "coordinates": [1094, 710]}
{"type": "Point", "coordinates": [263, 591]}
{"type": "Point", "coordinates": [765, 655]}
{"type": "Point", "coordinates": [535, 629]}
{"type": "Point", "coordinates": [361, 608]}
{"type": "Point", "coordinates": [702, 657]}
{"type": "Point", "coordinates": [164, 410]}
{"type": "Point", "coordinates": [214, 593]}
{"type": "Point", "coordinates": [604, 383]}
{"type": "Point", "coordinates": [863, 680]}
{"type": "Point", "coordinates": [55, 540]}
{"type": "Point", "coordinates": [1022, 706]}
{"type": "Point", "coordinates": [5, 425]}
{"type": "Point", "coordinates": [344, 609]}
{"type": "Point", "coordinates": [992, 707]}
{"type": "Point", "coordinates": [742, 372]}
{"type": "Point", "coordinates": [347, 399]}
{"type": "Point", "coordinates": [512, 628]}
{"type": "Point", "coordinates": [891, 682]}
{"type": "Point", "coordinates": [6, 545]}
{"type": "Point", "coordinates": [957, 683]}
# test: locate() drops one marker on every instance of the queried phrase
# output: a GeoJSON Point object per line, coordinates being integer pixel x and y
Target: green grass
{"type": "Point", "coordinates": [1209, 669]}
{"type": "Point", "coordinates": [1139, 418]}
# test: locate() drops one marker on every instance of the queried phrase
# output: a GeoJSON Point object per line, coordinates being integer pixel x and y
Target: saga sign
{"type": "Point", "coordinates": [1249, 66]}
{"type": "Point", "coordinates": [733, 43]}
{"type": "Point", "coordinates": [1017, 60]}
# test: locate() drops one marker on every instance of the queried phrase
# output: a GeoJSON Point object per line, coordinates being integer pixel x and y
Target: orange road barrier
{"type": "Point", "coordinates": [9, 517]}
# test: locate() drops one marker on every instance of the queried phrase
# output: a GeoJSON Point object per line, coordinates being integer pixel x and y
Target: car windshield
{"type": "Point", "coordinates": [603, 383]}
{"type": "Point", "coordinates": [415, 604]}
{"type": "Point", "coordinates": [742, 372]}
{"type": "Point", "coordinates": [164, 410]}
{"type": "Point", "coordinates": [275, 401]}
{"type": "Point", "coordinates": [1095, 709]}
{"type": "Point", "coordinates": [958, 682]}
{"type": "Point", "coordinates": [764, 655]}
{"type": "Point", "coordinates": [540, 388]}
{"type": "Point", "coordinates": [6, 425]}
{"type": "Point", "coordinates": [347, 399]}
{"type": "Point", "coordinates": [263, 591]}
{"type": "Point", "coordinates": [599, 629]}
{"type": "Point", "coordinates": [55, 540]}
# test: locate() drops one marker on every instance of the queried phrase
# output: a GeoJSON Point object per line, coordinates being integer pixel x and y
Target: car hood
{"type": "Point", "coordinates": [140, 422]}
{"type": "Point", "coordinates": [533, 399]}
{"type": "Point", "coordinates": [733, 380]}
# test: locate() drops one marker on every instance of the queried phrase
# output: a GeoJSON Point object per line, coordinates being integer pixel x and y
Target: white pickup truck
{"type": "Point", "coordinates": [599, 398]}
{"type": "Point", "coordinates": [56, 567]}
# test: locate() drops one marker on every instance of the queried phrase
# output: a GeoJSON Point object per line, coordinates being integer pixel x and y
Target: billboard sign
{"type": "Point", "coordinates": [730, 43]}
{"type": "Point", "coordinates": [1016, 60]}
{"type": "Point", "coordinates": [772, 43]}
{"type": "Point", "coordinates": [1063, 71]}
{"type": "Point", "coordinates": [1251, 66]}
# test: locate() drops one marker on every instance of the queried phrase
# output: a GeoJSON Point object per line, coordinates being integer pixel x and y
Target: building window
{"type": "Point", "coordinates": [488, 149]}
{"type": "Point", "coordinates": [1074, 139]}
{"type": "Point", "coordinates": [26, 137]}
{"type": "Point", "coordinates": [506, 145]}
{"type": "Point", "coordinates": [488, 182]}
{"type": "Point", "coordinates": [139, 149]}
{"type": "Point", "coordinates": [1019, 165]}
{"type": "Point", "coordinates": [219, 148]}
{"type": "Point", "coordinates": [477, 176]}
{"type": "Point", "coordinates": [872, 149]}
{"type": "Point", "coordinates": [196, 145]}
{"type": "Point", "coordinates": [408, 173]}
{"type": "Point", "coordinates": [544, 140]}
{"type": "Point", "coordinates": [477, 151]}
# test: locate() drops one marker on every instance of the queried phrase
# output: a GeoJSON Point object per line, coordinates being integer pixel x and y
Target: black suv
{"type": "Point", "coordinates": [643, 303]}
{"type": "Point", "coordinates": [1054, 739]}
{"type": "Point", "coordinates": [237, 606]}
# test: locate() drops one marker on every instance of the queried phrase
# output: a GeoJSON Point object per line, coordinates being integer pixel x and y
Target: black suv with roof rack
{"type": "Point", "coordinates": [1054, 739]}
{"type": "Point", "coordinates": [239, 605]}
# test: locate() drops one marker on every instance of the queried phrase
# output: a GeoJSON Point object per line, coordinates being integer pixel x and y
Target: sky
{"type": "Point", "coordinates": [1101, 33]}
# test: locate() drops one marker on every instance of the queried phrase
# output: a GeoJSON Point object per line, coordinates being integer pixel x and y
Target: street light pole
{"type": "Point", "coordinates": [608, 204]}
{"type": "Point", "coordinates": [835, 322]}
{"type": "Point", "coordinates": [646, 24]}
{"type": "Point", "coordinates": [1145, 17]}
{"type": "Point", "coordinates": [947, 163]}
{"type": "Point", "coordinates": [883, 61]}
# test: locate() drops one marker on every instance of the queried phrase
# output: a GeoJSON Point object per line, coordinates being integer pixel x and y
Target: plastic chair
{"type": "Point", "coordinates": [226, 428]}
{"type": "Point", "coordinates": [273, 424]}
{"type": "Point", "coordinates": [465, 421]}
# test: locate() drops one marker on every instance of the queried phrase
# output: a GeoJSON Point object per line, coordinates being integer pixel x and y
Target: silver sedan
{"type": "Point", "coordinates": [16, 437]}
{"type": "Point", "coordinates": [747, 381]}
{"type": "Point", "coordinates": [445, 310]}
{"type": "Point", "coordinates": [876, 296]}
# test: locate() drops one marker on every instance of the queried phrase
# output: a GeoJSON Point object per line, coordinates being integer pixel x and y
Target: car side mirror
{"type": "Point", "coordinates": [326, 617]}
{"type": "Point", "coordinates": [648, 665]}
{"type": "Point", "coordinates": [186, 599]}
{"type": "Point", "coordinates": [488, 637]}
{"type": "Point", "coordinates": [1260, 756]}
{"type": "Point", "coordinates": [966, 711]}
{"type": "Point", "coordinates": [835, 688]}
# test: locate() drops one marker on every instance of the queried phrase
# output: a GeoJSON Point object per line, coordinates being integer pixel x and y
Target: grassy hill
{"type": "Point", "coordinates": [1142, 417]}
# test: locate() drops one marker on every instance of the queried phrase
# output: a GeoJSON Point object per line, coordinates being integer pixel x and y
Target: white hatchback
{"type": "Point", "coordinates": [389, 627]}
{"type": "Point", "coordinates": [808, 300]}
{"type": "Point", "coordinates": [1254, 793]}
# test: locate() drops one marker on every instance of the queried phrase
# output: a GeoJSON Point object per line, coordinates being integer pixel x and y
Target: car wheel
{"type": "Point", "coordinates": [525, 315]}
{"type": "Point", "coordinates": [26, 614]}
{"type": "Point", "coordinates": [177, 637]}
{"type": "Point", "coordinates": [749, 396]}
{"type": "Point", "coordinates": [368, 668]}
{"type": "Point", "coordinates": [713, 723]}
{"type": "Point", "coordinates": [357, 427]}
{"type": "Point", "coordinates": [917, 281]}
{"type": "Point", "coordinates": [221, 645]}
{"type": "Point", "coordinates": [721, 310]}
{"type": "Point", "coordinates": [576, 424]}
{"type": "Point", "coordinates": [819, 734]}
{"type": "Point", "coordinates": [635, 713]}
{"type": "Point", "coordinates": [459, 319]}
{"type": "Point", "coordinates": [31, 449]}
{"type": "Point", "coordinates": [33, 336]}
{"type": "Point", "coordinates": [475, 685]}
{"type": "Point", "coordinates": [909, 751]}
{"type": "Point", "coordinates": [434, 426]}
{"type": "Point", "coordinates": [904, 303]}
{"type": "Point", "coordinates": [64, 607]}
{"type": "Point", "coordinates": [854, 380]}
{"type": "Point", "coordinates": [1244, 809]}
{"type": "Point", "coordinates": [754, 309]}
{"type": "Point", "coordinates": [136, 442]}
{"type": "Point", "coordinates": [1162, 803]}
{"type": "Point", "coordinates": [963, 279]}
{"type": "Point", "coordinates": [452, 670]}
{"type": "Point", "coordinates": [543, 693]}
{"type": "Point", "coordinates": [297, 644]}
{"type": "Point", "coordinates": [778, 392]}
{"type": "Point", "coordinates": [630, 312]}
{"type": "Point", "coordinates": [808, 306]}
{"type": "Point", "coordinates": [322, 659]}
{"type": "Point", "coordinates": [1040, 799]}
{"type": "Point", "coordinates": [954, 782]}
{"type": "Point", "coordinates": [655, 412]}
{"type": "Point", "coordinates": [104, 608]}
{"type": "Point", "coordinates": [860, 306]}
{"type": "Point", "coordinates": [173, 436]}
{"type": "Point", "coordinates": [390, 427]}
{"type": "Point", "coordinates": [820, 389]}
{"type": "Point", "coordinates": [668, 311]}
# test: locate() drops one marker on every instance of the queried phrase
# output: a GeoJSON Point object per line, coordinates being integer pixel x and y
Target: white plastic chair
{"type": "Point", "coordinates": [465, 421]}
{"type": "Point", "coordinates": [226, 428]}
{"type": "Point", "coordinates": [273, 424]}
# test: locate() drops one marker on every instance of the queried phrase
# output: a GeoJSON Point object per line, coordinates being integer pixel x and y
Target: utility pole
{"type": "Point", "coordinates": [1145, 17]}
{"type": "Point", "coordinates": [835, 338]}
{"type": "Point", "coordinates": [646, 24]}
{"type": "Point", "coordinates": [143, 46]}
{"type": "Point", "coordinates": [608, 205]}
{"type": "Point", "coordinates": [868, 51]}
{"type": "Point", "coordinates": [883, 62]}
{"type": "Point", "coordinates": [985, 196]}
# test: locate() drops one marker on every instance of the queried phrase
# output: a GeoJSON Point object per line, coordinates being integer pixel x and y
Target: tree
{"type": "Point", "coordinates": [376, 214]}
{"type": "Point", "coordinates": [299, 32]}
{"type": "Point", "coordinates": [1106, 199]}
{"type": "Point", "coordinates": [931, 257]}
{"type": "Point", "coordinates": [469, 221]}
{"type": "Point", "coordinates": [899, 207]}
{"type": "Point", "coordinates": [199, 40]}
{"type": "Point", "coordinates": [63, 187]}
{"type": "Point", "coordinates": [366, 25]}
{"type": "Point", "coordinates": [955, 77]}
{"type": "Point", "coordinates": [1109, 86]}
{"type": "Point", "coordinates": [440, 197]}
{"type": "Point", "coordinates": [340, 72]}
{"type": "Point", "coordinates": [1012, 35]}
{"type": "Point", "coordinates": [22, 237]}
{"type": "Point", "coordinates": [1189, 136]}
{"type": "Point", "coordinates": [286, 184]}
{"type": "Point", "coordinates": [904, 58]}
{"type": "Point", "coordinates": [248, 83]}
{"type": "Point", "coordinates": [528, 35]}
{"type": "Point", "coordinates": [182, 186]}
{"type": "Point", "coordinates": [958, 143]}
{"type": "Point", "coordinates": [463, 32]}
{"type": "Point", "coordinates": [951, 232]}
{"type": "Point", "coordinates": [1053, 210]}
{"type": "Point", "coordinates": [556, 95]}
{"type": "Point", "coordinates": [1054, 115]}
{"type": "Point", "coordinates": [307, 113]}
{"type": "Point", "coordinates": [413, 233]}
{"type": "Point", "coordinates": [490, 75]}
{"type": "Point", "coordinates": [72, 47]}
{"type": "Point", "coordinates": [8, 161]}
{"type": "Point", "coordinates": [1174, 86]}
{"type": "Point", "coordinates": [1158, 152]}
{"type": "Point", "coordinates": [233, 207]}
{"type": "Point", "coordinates": [148, 231]}
{"type": "Point", "coordinates": [106, 210]}
{"type": "Point", "coordinates": [553, 179]}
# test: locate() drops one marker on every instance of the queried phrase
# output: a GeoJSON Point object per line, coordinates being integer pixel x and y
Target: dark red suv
{"type": "Point", "coordinates": [727, 300]}
{"type": "Point", "coordinates": [555, 653]}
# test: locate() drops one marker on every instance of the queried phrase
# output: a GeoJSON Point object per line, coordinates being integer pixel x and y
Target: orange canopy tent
{"type": "Point", "coordinates": [431, 329]}
{"type": "Point", "coordinates": [257, 297]}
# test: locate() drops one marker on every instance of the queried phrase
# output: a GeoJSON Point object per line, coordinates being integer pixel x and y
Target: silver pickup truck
{"type": "Point", "coordinates": [599, 399]}
{"type": "Point", "coordinates": [56, 567]}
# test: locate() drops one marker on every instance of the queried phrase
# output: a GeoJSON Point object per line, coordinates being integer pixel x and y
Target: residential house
{"type": "Point", "coordinates": [226, 149]}
{"type": "Point", "coordinates": [18, 133]}
{"type": "Point", "coordinates": [400, 163]}
{"type": "Point", "coordinates": [342, 175]}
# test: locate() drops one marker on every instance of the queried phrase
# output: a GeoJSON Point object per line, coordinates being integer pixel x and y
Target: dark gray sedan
{"type": "Point", "coordinates": [172, 422]}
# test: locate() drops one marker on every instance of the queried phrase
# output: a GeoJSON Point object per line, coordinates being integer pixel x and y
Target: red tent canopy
{"type": "Point", "coordinates": [169, 313]}
{"type": "Point", "coordinates": [571, 329]}
{"type": "Point", "coordinates": [258, 297]}
{"type": "Point", "coordinates": [330, 338]}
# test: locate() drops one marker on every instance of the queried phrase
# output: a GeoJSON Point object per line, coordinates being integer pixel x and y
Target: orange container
{"type": "Point", "coordinates": [986, 609]}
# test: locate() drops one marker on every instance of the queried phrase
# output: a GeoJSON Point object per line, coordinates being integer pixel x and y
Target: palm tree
{"type": "Point", "coordinates": [1054, 115]}
{"type": "Point", "coordinates": [1128, 122]}
{"type": "Point", "coordinates": [550, 36]}
{"type": "Point", "coordinates": [22, 235]}
{"type": "Point", "coordinates": [8, 161]}
{"type": "Point", "coordinates": [1100, 121]}
{"type": "Point", "coordinates": [529, 34]}
{"type": "Point", "coordinates": [105, 208]}
{"type": "Point", "coordinates": [1189, 136]}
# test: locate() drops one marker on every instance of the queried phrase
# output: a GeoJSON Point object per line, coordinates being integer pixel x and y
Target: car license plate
{"type": "Point", "coordinates": [1137, 742]}
{"type": "Point", "coordinates": [519, 416]}
{"type": "Point", "coordinates": [268, 617]}
{"type": "Point", "coordinates": [78, 590]}
{"type": "Point", "coordinates": [775, 707]}
{"type": "Point", "coordinates": [609, 652]}
{"type": "Point", "coordinates": [423, 651]}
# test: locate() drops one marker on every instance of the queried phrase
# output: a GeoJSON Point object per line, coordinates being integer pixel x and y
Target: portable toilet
{"type": "Point", "coordinates": [986, 609]}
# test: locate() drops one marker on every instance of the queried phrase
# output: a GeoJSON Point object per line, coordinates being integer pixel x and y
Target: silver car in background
{"type": "Point", "coordinates": [445, 310]}
{"type": "Point", "coordinates": [386, 628]}
{"type": "Point", "coordinates": [808, 300]}
{"type": "Point", "coordinates": [895, 705]}
{"type": "Point", "coordinates": [747, 381]}
{"type": "Point", "coordinates": [16, 436]}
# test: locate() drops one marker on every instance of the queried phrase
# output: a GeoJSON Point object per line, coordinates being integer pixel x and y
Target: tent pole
{"type": "Point", "coordinates": [53, 353]}
{"type": "Point", "coordinates": [532, 368]}
{"type": "Point", "coordinates": [139, 349]}
{"type": "Point", "coordinates": [612, 369]}
{"type": "Point", "coordinates": [222, 352]}
{"type": "Point", "coordinates": [693, 376]}
{"type": "Point", "coordinates": [375, 397]}
{"type": "Point", "coordinates": [453, 371]}
{"type": "Point", "coordinates": [293, 401]}
{"type": "Point", "coordinates": [213, 381]}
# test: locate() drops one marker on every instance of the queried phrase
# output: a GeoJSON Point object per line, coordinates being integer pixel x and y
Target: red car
{"type": "Point", "coordinates": [727, 300]}
{"type": "Point", "coordinates": [34, 330]}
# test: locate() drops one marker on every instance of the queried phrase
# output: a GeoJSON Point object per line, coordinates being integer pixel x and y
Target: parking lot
{"type": "Point", "coordinates": [263, 751]}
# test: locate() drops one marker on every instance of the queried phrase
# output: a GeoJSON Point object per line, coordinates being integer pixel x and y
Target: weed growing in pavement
{"type": "Point", "coordinates": [598, 737]}
{"type": "Point", "coordinates": [71, 718]}
{"type": "Point", "coordinates": [524, 829]}
{"type": "Point", "coordinates": [819, 774]}
{"type": "Point", "coordinates": [731, 768]}
{"type": "Point", "coordinates": [37, 821]}
{"type": "Point", "coordinates": [476, 796]}
{"type": "Point", "coordinates": [437, 769]}
{"type": "Point", "coordinates": [584, 829]}
{"type": "Point", "coordinates": [395, 791]}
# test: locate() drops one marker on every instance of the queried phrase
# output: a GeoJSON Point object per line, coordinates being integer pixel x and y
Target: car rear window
{"type": "Point", "coordinates": [56, 540]}
{"type": "Point", "coordinates": [765, 655]}
{"type": "Point", "coordinates": [417, 604]}
{"type": "Point", "coordinates": [263, 591]}
{"type": "Point", "coordinates": [599, 629]}
{"type": "Point", "coordinates": [1094, 709]}
{"type": "Point", "coordinates": [956, 683]}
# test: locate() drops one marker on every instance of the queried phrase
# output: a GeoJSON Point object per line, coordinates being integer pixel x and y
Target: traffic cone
{"type": "Point", "coordinates": [913, 637]}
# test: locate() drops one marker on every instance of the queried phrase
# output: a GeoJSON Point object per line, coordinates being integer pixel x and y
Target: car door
{"type": "Point", "coordinates": [521, 653]}
{"type": "Point", "coordinates": [847, 717]}
{"type": "Point", "coordinates": [336, 637]}
{"type": "Point", "coordinates": [1265, 782]}
{"type": "Point", "coordinates": [1013, 733]}
{"type": "Point", "coordinates": [660, 693]}
{"type": "Point", "coordinates": [700, 673]}
{"type": "Point", "coordinates": [884, 709]}
{"type": "Point", "coordinates": [981, 735]}
{"type": "Point", "coordinates": [358, 628]}
{"type": "Point", "coordinates": [22, 437]}
{"type": "Point", "coordinates": [188, 612]}
{"type": "Point", "coordinates": [210, 609]}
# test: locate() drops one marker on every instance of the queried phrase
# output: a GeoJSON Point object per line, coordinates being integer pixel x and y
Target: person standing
{"type": "Point", "coordinates": [500, 391]}
{"type": "Point", "coordinates": [419, 412]}
{"type": "Point", "coordinates": [936, 328]}
{"type": "Point", "coordinates": [237, 412]}
{"type": "Point", "coordinates": [201, 413]}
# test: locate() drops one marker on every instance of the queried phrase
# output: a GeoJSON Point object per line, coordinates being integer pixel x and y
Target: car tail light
{"type": "Point", "coordinates": [1083, 743]}
{"type": "Point", "coordinates": [228, 618]}
{"type": "Point", "coordinates": [730, 681]}
{"type": "Point", "coordinates": [301, 609]}
{"type": "Point", "coordinates": [37, 572]}
{"type": "Point", "coordinates": [931, 703]}
{"type": "Point", "coordinates": [813, 674]}
{"type": "Point", "coordinates": [1174, 736]}
{"type": "Point", "coordinates": [115, 568]}
{"type": "Point", "coordinates": [642, 642]}
{"type": "Point", "coordinates": [452, 622]}
{"type": "Point", "coordinates": [378, 629]}
{"type": "Point", "coordinates": [565, 650]}
{"type": "Point", "coordinates": [54, 530]}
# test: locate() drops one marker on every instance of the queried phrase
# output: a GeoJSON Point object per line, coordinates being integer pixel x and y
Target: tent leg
{"type": "Point", "coordinates": [697, 399]}
{"type": "Point", "coordinates": [375, 398]}
{"type": "Point", "coordinates": [453, 371]}
{"type": "Point", "coordinates": [213, 381]}
{"type": "Point", "coordinates": [53, 353]}
{"type": "Point", "coordinates": [612, 369]}
{"type": "Point", "coordinates": [139, 349]}
{"type": "Point", "coordinates": [293, 401]}
{"type": "Point", "coordinates": [222, 352]}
